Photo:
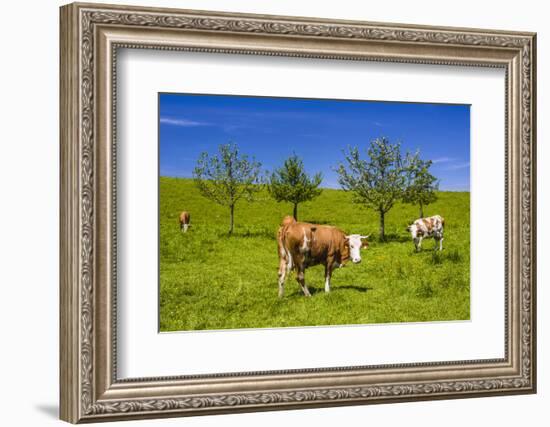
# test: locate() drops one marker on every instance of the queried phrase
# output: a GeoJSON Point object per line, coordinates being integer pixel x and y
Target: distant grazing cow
{"type": "Point", "coordinates": [427, 227]}
{"type": "Point", "coordinates": [303, 245]}
{"type": "Point", "coordinates": [185, 219]}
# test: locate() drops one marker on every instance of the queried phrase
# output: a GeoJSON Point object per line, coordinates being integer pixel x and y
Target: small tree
{"type": "Point", "coordinates": [420, 185]}
{"type": "Point", "coordinates": [227, 177]}
{"type": "Point", "coordinates": [377, 182]}
{"type": "Point", "coordinates": [290, 183]}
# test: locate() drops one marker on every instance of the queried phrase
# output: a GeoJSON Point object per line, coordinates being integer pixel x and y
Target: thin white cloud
{"type": "Point", "coordinates": [457, 166]}
{"type": "Point", "coordinates": [442, 160]}
{"type": "Point", "coordinates": [182, 122]}
{"type": "Point", "coordinates": [450, 164]}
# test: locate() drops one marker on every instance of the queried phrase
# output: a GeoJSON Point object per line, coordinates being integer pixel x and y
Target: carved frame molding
{"type": "Point", "coordinates": [90, 37]}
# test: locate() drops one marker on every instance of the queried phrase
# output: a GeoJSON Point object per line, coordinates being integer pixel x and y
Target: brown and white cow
{"type": "Point", "coordinates": [303, 245]}
{"type": "Point", "coordinates": [185, 219]}
{"type": "Point", "coordinates": [427, 227]}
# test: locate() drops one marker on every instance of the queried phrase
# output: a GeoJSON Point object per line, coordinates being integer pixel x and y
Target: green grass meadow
{"type": "Point", "coordinates": [210, 280]}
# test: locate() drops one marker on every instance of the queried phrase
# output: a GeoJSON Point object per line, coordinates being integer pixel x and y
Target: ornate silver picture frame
{"type": "Point", "coordinates": [91, 34]}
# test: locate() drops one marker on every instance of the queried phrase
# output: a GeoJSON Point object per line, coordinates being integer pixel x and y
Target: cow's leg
{"type": "Point", "coordinates": [185, 227]}
{"type": "Point", "coordinates": [282, 276]}
{"type": "Point", "coordinates": [283, 270]}
{"type": "Point", "coordinates": [417, 244]}
{"type": "Point", "coordinates": [328, 274]}
{"type": "Point", "coordinates": [300, 277]}
{"type": "Point", "coordinates": [438, 237]}
{"type": "Point", "coordinates": [327, 282]}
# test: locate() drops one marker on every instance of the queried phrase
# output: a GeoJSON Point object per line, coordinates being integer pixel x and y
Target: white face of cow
{"type": "Point", "coordinates": [355, 244]}
{"type": "Point", "coordinates": [413, 230]}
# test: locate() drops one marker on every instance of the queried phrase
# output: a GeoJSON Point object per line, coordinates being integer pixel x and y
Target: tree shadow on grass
{"type": "Point", "coordinates": [316, 221]}
{"type": "Point", "coordinates": [393, 237]}
{"type": "Point", "coordinates": [266, 233]}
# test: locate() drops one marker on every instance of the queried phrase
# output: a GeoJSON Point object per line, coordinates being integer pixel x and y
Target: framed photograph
{"type": "Point", "coordinates": [266, 212]}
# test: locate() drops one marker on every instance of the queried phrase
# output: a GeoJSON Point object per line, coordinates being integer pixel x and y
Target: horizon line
{"type": "Point", "coordinates": [321, 187]}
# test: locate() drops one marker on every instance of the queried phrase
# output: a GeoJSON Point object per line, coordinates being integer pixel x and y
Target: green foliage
{"type": "Point", "coordinates": [377, 182]}
{"type": "Point", "coordinates": [208, 281]}
{"type": "Point", "coordinates": [227, 177]}
{"type": "Point", "coordinates": [420, 185]}
{"type": "Point", "coordinates": [290, 183]}
{"type": "Point", "coordinates": [387, 176]}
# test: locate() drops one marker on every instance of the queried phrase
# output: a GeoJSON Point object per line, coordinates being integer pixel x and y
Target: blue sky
{"type": "Point", "coordinates": [317, 130]}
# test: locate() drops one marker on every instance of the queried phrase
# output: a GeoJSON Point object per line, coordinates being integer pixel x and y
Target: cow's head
{"type": "Point", "coordinates": [413, 229]}
{"type": "Point", "coordinates": [355, 243]}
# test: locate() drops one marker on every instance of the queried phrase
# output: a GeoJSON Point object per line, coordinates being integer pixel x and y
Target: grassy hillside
{"type": "Point", "coordinates": [209, 280]}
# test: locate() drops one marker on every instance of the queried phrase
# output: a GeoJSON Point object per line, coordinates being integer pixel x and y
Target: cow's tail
{"type": "Point", "coordinates": [289, 263]}
{"type": "Point", "coordinates": [284, 253]}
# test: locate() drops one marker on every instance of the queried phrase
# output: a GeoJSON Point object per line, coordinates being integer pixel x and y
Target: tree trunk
{"type": "Point", "coordinates": [421, 212]}
{"type": "Point", "coordinates": [231, 218]}
{"type": "Point", "coordinates": [382, 236]}
{"type": "Point", "coordinates": [296, 211]}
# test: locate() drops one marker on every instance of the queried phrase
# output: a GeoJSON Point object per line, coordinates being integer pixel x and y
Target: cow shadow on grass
{"type": "Point", "coordinates": [333, 289]}
{"type": "Point", "coordinates": [352, 287]}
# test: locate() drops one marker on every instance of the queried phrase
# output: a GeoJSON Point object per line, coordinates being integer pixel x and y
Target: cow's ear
{"type": "Point", "coordinates": [364, 237]}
